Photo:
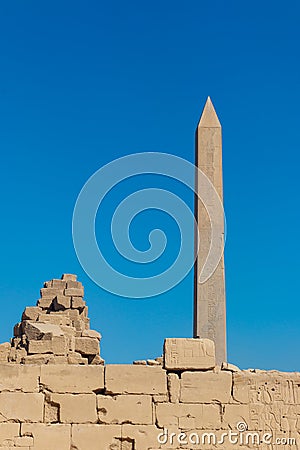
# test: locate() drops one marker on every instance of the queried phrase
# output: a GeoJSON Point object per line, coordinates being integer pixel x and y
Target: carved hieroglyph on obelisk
{"type": "Point", "coordinates": [209, 297]}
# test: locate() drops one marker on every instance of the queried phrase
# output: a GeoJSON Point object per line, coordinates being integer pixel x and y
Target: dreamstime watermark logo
{"type": "Point", "coordinates": [240, 436]}
{"type": "Point", "coordinates": [103, 181]}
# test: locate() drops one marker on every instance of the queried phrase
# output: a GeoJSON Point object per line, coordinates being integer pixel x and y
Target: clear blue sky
{"type": "Point", "coordinates": [83, 83]}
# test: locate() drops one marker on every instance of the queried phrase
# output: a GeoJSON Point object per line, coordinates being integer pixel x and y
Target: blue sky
{"type": "Point", "coordinates": [83, 83]}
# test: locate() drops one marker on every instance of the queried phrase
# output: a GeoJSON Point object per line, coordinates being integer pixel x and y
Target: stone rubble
{"type": "Point", "coordinates": [56, 330]}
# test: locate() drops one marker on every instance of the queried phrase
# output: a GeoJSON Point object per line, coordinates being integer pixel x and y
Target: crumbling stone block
{"type": "Point", "coordinates": [31, 313]}
{"type": "Point", "coordinates": [87, 346]}
{"type": "Point", "coordinates": [4, 352]}
{"type": "Point", "coordinates": [78, 303]}
{"type": "Point", "coordinates": [74, 292]}
{"type": "Point", "coordinates": [40, 330]}
{"type": "Point", "coordinates": [61, 302]}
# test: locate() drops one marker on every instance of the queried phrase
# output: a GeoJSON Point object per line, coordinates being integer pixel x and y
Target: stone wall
{"type": "Point", "coordinates": [180, 401]}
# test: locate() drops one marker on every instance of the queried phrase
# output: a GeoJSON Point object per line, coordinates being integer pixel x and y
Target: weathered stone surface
{"type": "Point", "coordinates": [210, 308]}
{"type": "Point", "coordinates": [58, 284]}
{"type": "Point", "coordinates": [69, 277]}
{"type": "Point", "coordinates": [45, 302]}
{"type": "Point", "coordinates": [51, 292]}
{"type": "Point", "coordinates": [31, 313]}
{"type": "Point", "coordinates": [76, 408]}
{"type": "Point", "coordinates": [40, 330]}
{"type": "Point", "coordinates": [61, 302]}
{"type": "Point", "coordinates": [185, 354]}
{"type": "Point", "coordinates": [18, 377]}
{"type": "Point", "coordinates": [173, 387]}
{"type": "Point", "coordinates": [73, 379]}
{"type": "Point", "coordinates": [22, 407]}
{"type": "Point", "coordinates": [8, 432]}
{"type": "Point", "coordinates": [87, 346]}
{"type": "Point", "coordinates": [131, 379]}
{"type": "Point", "coordinates": [206, 387]}
{"type": "Point", "coordinates": [90, 437]}
{"type": "Point", "coordinates": [142, 437]}
{"type": "Point", "coordinates": [136, 409]}
{"type": "Point", "coordinates": [230, 367]}
{"type": "Point", "coordinates": [48, 436]}
{"type": "Point", "coordinates": [233, 414]}
{"type": "Point", "coordinates": [74, 292]}
{"type": "Point", "coordinates": [74, 284]}
{"type": "Point", "coordinates": [91, 334]}
{"type": "Point", "coordinates": [4, 352]}
{"type": "Point", "coordinates": [188, 416]}
{"type": "Point", "coordinates": [78, 303]}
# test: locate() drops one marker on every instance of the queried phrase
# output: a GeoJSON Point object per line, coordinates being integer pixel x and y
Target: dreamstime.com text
{"type": "Point", "coordinates": [240, 436]}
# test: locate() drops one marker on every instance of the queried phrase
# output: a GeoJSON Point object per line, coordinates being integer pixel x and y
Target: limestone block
{"type": "Point", "coordinates": [205, 387]}
{"type": "Point", "coordinates": [230, 367]}
{"type": "Point", "coordinates": [74, 292]}
{"type": "Point", "coordinates": [8, 432]}
{"type": "Point", "coordinates": [24, 441]}
{"type": "Point", "coordinates": [31, 313]}
{"type": "Point", "coordinates": [131, 379]}
{"type": "Point", "coordinates": [135, 409]}
{"type": "Point", "coordinates": [96, 437]}
{"type": "Point", "coordinates": [91, 334]}
{"type": "Point", "coordinates": [61, 302]}
{"type": "Point", "coordinates": [21, 407]}
{"type": "Point", "coordinates": [4, 352]}
{"type": "Point", "coordinates": [142, 437]}
{"type": "Point", "coordinates": [173, 387]}
{"type": "Point", "coordinates": [188, 416]}
{"type": "Point", "coordinates": [58, 284]}
{"type": "Point", "coordinates": [185, 354]}
{"type": "Point", "coordinates": [153, 362]}
{"type": "Point", "coordinates": [48, 436]}
{"type": "Point", "coordinates": [74, 285]}
{"type": "Point", "coordinates": [69, 277]}
{"type": "Point", "coordinates": [41, 330]}
{"type": "Point", "coordinates": [55, 318]}
{"type": "Point", "coordinates": [37, 359]}
{"type": "Point", "coordinates": [78, 303]}
{"type": "Point", "coordinates": [96, 360]}
{"type": "Point", "coordinates": [37, 347]}
{"type": "Point", "coordinates": [233, 414]}
{"type": "Point", "coordinates": [51, 292]}
{"type": "Point", "coordinates": [45, 302]}
{"type": "Point", "coordinates": [87, 346]}
{"type": "Point", "coordinates": [18, 377]}
{"type": "Point", "coordinates": [76, 358]}
{"type": "Point", "coordinates": [18, 329]}
{"type": "Point", "coordinates": [60, 345]}
{"type": "Point", "coordinates": [76, 408]}
{"type": "Point", "coordinates": [73, 379]}
{"type": "Point", "coordinates": [140, 362]}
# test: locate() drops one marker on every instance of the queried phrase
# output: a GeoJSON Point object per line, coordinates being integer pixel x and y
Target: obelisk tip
{"type": "Point", "coordinates": [209, 118]}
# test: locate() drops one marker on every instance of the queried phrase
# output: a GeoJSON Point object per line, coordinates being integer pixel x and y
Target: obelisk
{"type": "Point", "coordinates": [209, 297]}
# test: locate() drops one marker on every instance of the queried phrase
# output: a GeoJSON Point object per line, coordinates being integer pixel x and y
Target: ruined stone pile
{"type": "Point", "coordinates": [56, 330]}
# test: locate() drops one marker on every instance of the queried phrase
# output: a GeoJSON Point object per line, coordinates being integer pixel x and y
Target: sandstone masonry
{"type": "Point", "coordinates": [57, 394]}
